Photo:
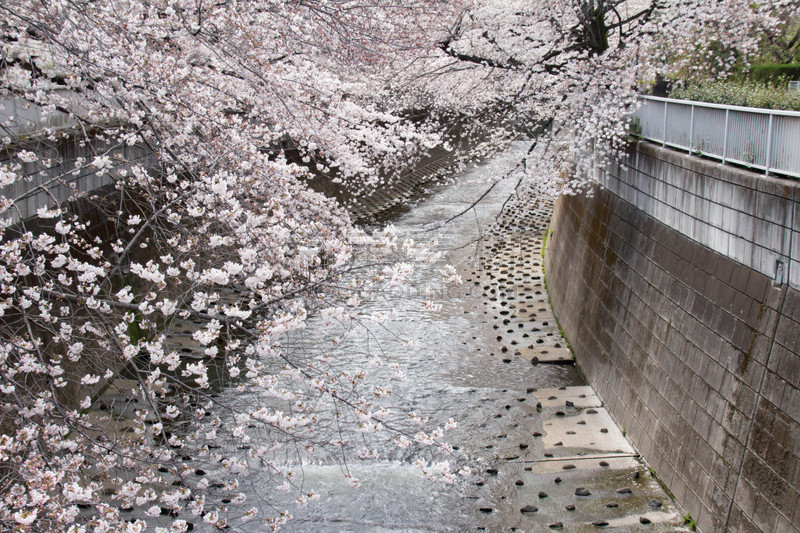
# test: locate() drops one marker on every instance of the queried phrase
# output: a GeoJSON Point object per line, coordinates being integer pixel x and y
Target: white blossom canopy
{"type": "Point", "coordinates": [206, 120]}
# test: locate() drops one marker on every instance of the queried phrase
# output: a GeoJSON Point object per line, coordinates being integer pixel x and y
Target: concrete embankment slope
{"type": "Point", "coordinates": [677, 288]}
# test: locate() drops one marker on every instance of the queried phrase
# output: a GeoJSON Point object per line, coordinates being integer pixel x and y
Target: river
{"type": "Point", "coordinates": [532, 433]}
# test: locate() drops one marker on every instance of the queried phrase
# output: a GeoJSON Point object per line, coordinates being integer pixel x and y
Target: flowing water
{"type": "Point", "coordinates": [469, 360]}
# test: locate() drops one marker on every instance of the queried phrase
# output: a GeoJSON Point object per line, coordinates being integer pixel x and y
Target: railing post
{"type": "Point", "coordinates": [769, 146]}
{"type": "Point", "coordinates": [725, 137]}
{"type": "Point", "coordinates": [664, 133]}
{"type": "Point", "coordinates": [691, 131]}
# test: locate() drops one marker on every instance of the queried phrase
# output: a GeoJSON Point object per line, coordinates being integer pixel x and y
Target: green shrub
{"type": "Point", "coordinates": [775, 73]}
{"type": "Point", "coordinates": [747, 94]}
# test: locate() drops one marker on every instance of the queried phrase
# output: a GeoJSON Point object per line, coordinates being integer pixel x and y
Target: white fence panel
{"type": "Point", "coordinates": [55, 177]}
{"type": "Point", "coordinates": [707, 123]}
{"type": "Point", "coordinates": [747, 139]}
{"type": "Point", "coordinates": [58, 180]}
{"type": "Point", "coordinates": [19, 118]}
{"type": "Point", "coordinates": [678, 127]}
{"type": "Point", "coordinates": [763, 139]}
{"type": "Point", "coordinates": [650, 117]}
{"type": "Point", "coordinates": [786, 143]}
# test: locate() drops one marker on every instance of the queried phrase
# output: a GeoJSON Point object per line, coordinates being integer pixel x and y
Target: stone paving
{"type": "Point", "coordinates": [569, 467]}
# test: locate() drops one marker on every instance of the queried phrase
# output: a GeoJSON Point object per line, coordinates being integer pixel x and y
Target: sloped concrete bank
{"type": "Point", "coordinates": [692, 346]}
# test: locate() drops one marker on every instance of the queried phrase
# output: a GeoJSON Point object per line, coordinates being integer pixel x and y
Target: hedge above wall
{"type": "Point", "coordinates": [775, 72]}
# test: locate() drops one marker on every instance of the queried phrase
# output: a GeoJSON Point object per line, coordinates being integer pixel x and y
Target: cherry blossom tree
{"type": "Point", "coordinates": [141, 320]}
{"type": "Point", "coordinates": [573, 69]}
{"type": "Point", "coordinates": [131, 312]}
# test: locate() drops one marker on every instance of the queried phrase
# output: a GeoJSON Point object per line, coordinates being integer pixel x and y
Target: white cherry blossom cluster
{"type": "Point", "coordinates": [146, 364]}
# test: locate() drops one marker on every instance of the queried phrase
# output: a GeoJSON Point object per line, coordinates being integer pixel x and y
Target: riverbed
{"type": "Point", "coordinates": [487, 355]}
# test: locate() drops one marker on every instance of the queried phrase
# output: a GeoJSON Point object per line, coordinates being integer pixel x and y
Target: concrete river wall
{"type": "Point", "coordinates": [678, 286]}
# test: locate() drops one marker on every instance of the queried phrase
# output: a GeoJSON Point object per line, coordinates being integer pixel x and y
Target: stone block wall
{"type": "Point", "coordinates": [695, 353]}
{"type": "Point", "coordinates": [747, 217]}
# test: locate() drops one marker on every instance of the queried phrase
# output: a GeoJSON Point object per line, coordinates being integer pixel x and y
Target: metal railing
{"type": "Point", "coordinates": [763, 139]}
{"type": "Point", "coordinates": [55, 177]}
{"type": "Point", "coordinates": [20, 119]}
